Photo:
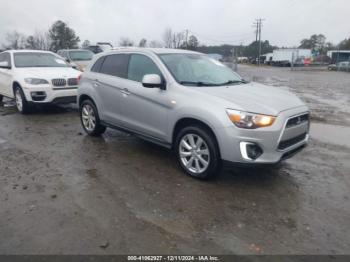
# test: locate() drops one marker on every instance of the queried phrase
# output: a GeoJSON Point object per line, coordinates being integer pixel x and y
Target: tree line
{"type": "Point", "coordinates": [61, 36]}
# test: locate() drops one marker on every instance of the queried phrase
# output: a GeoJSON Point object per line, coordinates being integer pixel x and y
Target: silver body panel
{"type": "Point", "coordinates": [153, 113]}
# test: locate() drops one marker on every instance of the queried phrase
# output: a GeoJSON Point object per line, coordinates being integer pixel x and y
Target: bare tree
{"type": "Point", "coordinates": [143, 42]}
{"type": "Point", "coordinates": [124, 41]}
{"type": "Point", "coordinates": [15, 40]}
{"type": "Point", "coordinates": [39, 41]}
{"type": "Point", "coordinates": [85, 44]}
{"type": "Point", "coordinates": [168, 38]}
{"type": "Point", "coordinates": [192, 43]}
{"type": "Point", "coordinates": [179, 40]}
{"type": "Point", "coordinates": [156, 44]}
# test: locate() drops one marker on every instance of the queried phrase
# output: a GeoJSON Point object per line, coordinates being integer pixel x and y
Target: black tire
{"type": "Point", "coordinates": [1, 98]}
{"type": "Point", "coordinates": [25, 108]}
{"type": "Point", "coordinates": [98, 128]}
{"type": "Point", "coordinates": [214, 166]}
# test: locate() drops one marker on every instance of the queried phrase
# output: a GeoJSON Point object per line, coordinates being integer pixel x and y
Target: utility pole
{"type": "Point", "coordinates": [259, 25]}
{"type": "Point", "coordinates": [256, 25]}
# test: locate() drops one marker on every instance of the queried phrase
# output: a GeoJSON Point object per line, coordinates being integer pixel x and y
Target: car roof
{"type": "Point", "coordinates": [149, 50]}
{"type": "Point", "coordinates": [28, 51]}
{"type": "Point", "coordinates": [80, 49]}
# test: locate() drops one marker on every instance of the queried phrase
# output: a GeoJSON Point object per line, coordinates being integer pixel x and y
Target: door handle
{"type": "Point", "coordinates": [96, 83]}
{"type": "Point", "coordinates": [125, 91]}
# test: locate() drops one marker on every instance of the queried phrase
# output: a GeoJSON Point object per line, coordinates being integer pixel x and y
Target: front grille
{"type": "Point", "coordinates": [297, 120]}
{"type": "Point", "coordinates": [73, 81]}
{"type": "Point", "coordinates": [292, 141]}
{"type": "Point", "coordinates": [59, 82]}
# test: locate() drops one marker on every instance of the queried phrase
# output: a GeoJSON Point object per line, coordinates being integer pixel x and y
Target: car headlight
{"type": "Point", "coordinates": [35, 81]}
{"type": "Point", "coordinates": [249, 120]}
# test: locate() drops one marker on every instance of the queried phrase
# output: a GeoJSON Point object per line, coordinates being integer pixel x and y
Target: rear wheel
{"type": "Point", "coordinates": [21, 101]}
{"type": "Point", "coordinates": [197, 152]}
{"type": "Point", "coordinates": [90, 119]}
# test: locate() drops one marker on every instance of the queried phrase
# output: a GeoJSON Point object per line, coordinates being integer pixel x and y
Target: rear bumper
{"type": "Point", "coordinates": [276, 142]}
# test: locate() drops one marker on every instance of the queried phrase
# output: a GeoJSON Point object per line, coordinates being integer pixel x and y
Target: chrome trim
{"type": "Point", "coordinates": [65, 88]}
{"type": "Point", "coordinates": [284, 128]}
{"type": "Point", "coordinates": [59, 82]}
{"type": "Point", "coordinates": [243, 149]}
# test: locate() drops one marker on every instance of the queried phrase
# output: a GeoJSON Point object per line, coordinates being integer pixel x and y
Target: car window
{"type": "Point", "coordinates": [81, 55]}
{"type": "Point", "coordinates": [140, 65]}
{"type": "Point", "coordinates": [115, 65]}
{"type": "Point", "coordinates": [2, 57]}
{"type": "Point", "coordinates": [5, 57]}
{"type": "Point", "coordinates": [198, 70]}
{"type": "Point", "coordinates": [97, 66]}
{"type": "Point", "coordinates": [37, 59]}
{"type": "Point", "coordinates": [62, 53]}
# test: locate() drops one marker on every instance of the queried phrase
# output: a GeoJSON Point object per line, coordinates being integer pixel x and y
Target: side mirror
{"type": "Point", "coordinates": [5, 64]}
{"type": "Point", "coordinates": [153, 81]}
{"type": "Point", "coordinates": [67, 60]}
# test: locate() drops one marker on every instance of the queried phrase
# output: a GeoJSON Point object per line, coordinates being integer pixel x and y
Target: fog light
{"type": "Point", "coordinates": [38, 96]}
{"type": "Point", "coordinates": [250, 151]}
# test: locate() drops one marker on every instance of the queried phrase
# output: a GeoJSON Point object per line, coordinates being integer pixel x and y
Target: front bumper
{"type": "Point", "coordinates": [44, 95]}
{"type": "Point", "coordinates": [277, 142]}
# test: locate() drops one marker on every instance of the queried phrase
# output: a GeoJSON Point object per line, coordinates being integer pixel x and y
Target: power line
{"type": "Point", "coordinates": [215, 40]}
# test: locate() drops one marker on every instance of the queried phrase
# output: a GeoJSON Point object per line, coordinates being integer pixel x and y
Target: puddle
{"type": "Point", "coordinates": [332, 134]}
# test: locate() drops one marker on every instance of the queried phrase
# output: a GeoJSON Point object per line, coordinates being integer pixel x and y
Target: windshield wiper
{"type": "Point", "coordinates": [199, 83]}
{"type": "Point", "coordinates": [230, 82]}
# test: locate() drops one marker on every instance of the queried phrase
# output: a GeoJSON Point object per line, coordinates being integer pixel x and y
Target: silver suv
{"type": "Point", "coordinates": [193, 104]}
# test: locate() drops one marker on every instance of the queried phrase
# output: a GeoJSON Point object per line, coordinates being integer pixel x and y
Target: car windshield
{"type": "Point", "coordinates": [38, 60]}
{"type": "Point", "coordinates": [199, 70]}
{"type": "Point", "coordinates": [80, 55]}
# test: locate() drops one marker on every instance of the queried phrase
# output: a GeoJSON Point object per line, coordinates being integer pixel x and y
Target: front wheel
{"type": "Point", "coordinates": [197, 152]}
{"type": "Point", "coordinates": [21, 101]}
{"type": "Point", "coordinates": [90, 119]}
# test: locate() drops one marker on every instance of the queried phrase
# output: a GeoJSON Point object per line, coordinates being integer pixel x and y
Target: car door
{"type": "Point", "coordinates": [6, 76]}
{"type": "Point", "coordinates": [108, 84]}
{"type": "Point", "coordinates": [145, 109]}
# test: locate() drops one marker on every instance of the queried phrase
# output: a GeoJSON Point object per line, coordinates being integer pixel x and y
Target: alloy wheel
{"type": "Point", "coordinates": [194, 153]}
{"type": "Point", "coordinates": [88, 117]}
{"type": "Point", "coordinates": [19, 100]}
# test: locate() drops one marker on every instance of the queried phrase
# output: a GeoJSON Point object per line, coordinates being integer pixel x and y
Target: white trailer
{"type": "Point", "coordinates": [268, 58]}
{"type": "Point", "coordinates": [285, 57]}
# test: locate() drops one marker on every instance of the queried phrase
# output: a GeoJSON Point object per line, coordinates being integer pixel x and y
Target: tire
{"type": "Point", "coordinates": [199, 157]}
{"type": "Point", "coordinates": [90, 119]}
{"type": "Point", "coordinates": [1, 98]}
{"type": "Point", "coordinates": [21, 102]}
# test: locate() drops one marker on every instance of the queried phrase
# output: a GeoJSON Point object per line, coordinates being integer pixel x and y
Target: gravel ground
{"type": "Point", "coordinates": [62, 192]}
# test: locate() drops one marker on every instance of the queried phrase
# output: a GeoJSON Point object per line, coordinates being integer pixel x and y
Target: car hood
{"type": "Point", "coordinates": [48, 72]}
{"type": "Point", "coordinates": [254, 97]}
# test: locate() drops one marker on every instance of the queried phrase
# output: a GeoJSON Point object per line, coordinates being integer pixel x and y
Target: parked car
{"type": "Point", "coordinates": [194, 104]}
{"type": "Point", "coordinates": [341, 66]}
{"type": "Point", "coordinates": [76, 58]}
{"type": "Point", "coordinates": [36, 77]}
{"type": "Point", "coordinates": [100, 47]}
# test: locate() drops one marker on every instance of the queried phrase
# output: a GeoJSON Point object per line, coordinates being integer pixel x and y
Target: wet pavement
{"type": "Point", "coordinates": [62, 192]}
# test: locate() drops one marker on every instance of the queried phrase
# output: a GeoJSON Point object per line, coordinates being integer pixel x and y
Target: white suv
{"type": "Point", "coordinates": [36, 77]}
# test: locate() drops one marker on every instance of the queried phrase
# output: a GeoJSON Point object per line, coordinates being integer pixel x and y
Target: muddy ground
{"type": "Point", "coordinates": [62, 192]}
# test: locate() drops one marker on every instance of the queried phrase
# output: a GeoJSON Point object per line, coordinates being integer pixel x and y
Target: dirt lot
{"type": "Point", "coordinates": [62, 192]}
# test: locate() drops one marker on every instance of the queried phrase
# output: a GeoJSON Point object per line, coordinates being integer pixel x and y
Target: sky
{"type": "Point", "coordinates": [211, 21]}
